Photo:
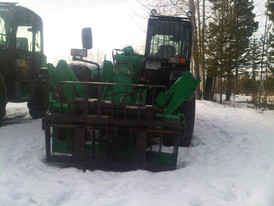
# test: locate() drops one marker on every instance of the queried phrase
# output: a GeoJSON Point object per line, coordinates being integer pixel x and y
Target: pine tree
{"type": "Point", "coordinates": [232, 26]}
{"type": "Point", "coordinates": [270, 8]}
{"type": "Point", "coordinates": [253, 62]}
{"type": "Point", "coordinates": [217, 47]}
{"type": "Point", "coordinates": [243, 26]}
{"type": "Point", "coordinates": [269, 84]}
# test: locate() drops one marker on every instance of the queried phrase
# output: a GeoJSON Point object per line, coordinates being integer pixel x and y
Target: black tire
{"type": "Point", "coordinates": [38, 105]}
{"type": "Point", "coordinates": [3, 97]}
{"type": "Point", "coordinates": [188, 109]}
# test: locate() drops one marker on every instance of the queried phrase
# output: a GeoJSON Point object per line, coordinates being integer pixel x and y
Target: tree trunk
{"type": "Point", "coordinates": [203, 47]}
{"type": "Point", "coordinates": [195, 45]}
{"type": "Point", "coordinates": [208, 88]}
{"type": "Point", "coordinates": [214, 88]}
{"type": "Point", "coordinates": [237, 81]}
{"type": "Point", "coordinates": [228, 87]}
{"type": "Point", "coordinates": [221, 90]}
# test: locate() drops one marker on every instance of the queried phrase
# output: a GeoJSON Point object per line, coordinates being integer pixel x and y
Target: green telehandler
{"type": "Point", "coordinates": [130, 113]}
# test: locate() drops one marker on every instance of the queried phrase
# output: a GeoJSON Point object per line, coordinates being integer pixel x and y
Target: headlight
{"type": "Point", "coordinates": [153, 65]}
{"type": "Point", "coordinates": [153, 12]}
{"type": "Point", "coordinates": [189, 14]}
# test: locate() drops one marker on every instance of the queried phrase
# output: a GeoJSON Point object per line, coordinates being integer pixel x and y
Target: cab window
{"type": "Point", "coordinates": [2, 32]}
{"type": "Point", "coordinates": [28, 35]}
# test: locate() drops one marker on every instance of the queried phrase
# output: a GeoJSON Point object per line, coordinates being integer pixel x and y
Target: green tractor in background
{"type": "Point", "coordinates": [22, 77]}
{"type": "Point", "coordinates": [129, 113]}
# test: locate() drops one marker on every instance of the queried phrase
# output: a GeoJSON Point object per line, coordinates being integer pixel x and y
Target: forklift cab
{"type": "Point", "coordinates": [168, 48]}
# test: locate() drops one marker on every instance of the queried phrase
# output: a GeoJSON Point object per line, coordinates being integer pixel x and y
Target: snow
{"type": "Point", "coordinates": [243, 101]}
{"type": "Point", "coordinates": [230, 162]}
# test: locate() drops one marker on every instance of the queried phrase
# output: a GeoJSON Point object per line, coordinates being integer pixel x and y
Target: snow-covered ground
{"type": "Point", "coordinates": [242, 101]}
{"type": "Point", "coordinates": [230, 162]}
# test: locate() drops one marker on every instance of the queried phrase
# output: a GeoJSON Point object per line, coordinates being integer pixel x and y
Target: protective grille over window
{"type": "Point", "coordinates": [168, 39]}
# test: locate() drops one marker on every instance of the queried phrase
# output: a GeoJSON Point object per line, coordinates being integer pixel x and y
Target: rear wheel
{"type": "Point", "coordinates": [38, 104]}
{"type": "Point", "coordinates": [3, 97]}
{"type": "Point", "coordinates": [188, 109]}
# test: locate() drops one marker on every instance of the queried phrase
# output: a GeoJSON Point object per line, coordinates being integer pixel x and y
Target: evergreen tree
{"type": "Point", "coordinates": [243, 26]}
{"type": "Point", "coordinates": [269, 65]}
{"type": "Point", "coordinates": [246, 83]}
{"type": "Point", "coordinates": [216, 43]}
{"type": "Point", "coordinates": [270, 7]}
{"type": "Point", "coordinates": [232, 26]}
{"type": "Point", "coordinates": [253, 62]}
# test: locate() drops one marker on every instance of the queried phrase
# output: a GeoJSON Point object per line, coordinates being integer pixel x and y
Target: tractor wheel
{"type": "Point", "coordinates": [3, 97]}
{"type": "Point", "coordinates": [38, 104]}
{"type": "Point", "coordinates": [188, 109]}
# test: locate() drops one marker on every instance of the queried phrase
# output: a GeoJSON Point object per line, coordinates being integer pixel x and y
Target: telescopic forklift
{"type": "Point", "coordinates": [22, 76]}
{"type": "Point", "coordinates": [133, 112]}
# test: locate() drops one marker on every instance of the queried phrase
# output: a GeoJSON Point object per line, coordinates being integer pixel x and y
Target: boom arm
{"type": "Point", "coordinates": [180, 91]}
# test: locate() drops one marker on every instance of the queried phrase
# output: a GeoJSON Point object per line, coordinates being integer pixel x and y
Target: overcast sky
{"type": "Point", "coordinates": [111, 22]}
{"type": "Point", "coordinates": [114, 24]}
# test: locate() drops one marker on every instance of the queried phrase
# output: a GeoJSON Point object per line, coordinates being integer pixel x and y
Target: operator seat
{"type": "Point", "coordinates": [22, 44]}
{"type": "Point", "coordinates": [166, 51]}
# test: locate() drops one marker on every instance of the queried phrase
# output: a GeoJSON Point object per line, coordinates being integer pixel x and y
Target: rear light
{"type": "Point", "coordinates": [79, 52]}
{"type": "Point", "coordinates": [182, 60]}
{"type": "Point", "coordinates": [177, 60]}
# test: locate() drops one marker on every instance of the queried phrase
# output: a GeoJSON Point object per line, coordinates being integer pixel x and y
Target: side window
{"type": "Point", "coordinates": [24, 34]}
{"type": "Point", "coordinates": [2, 31]}
{"type": "Point", "coordinates": [38, 41]}
{"type": "Point", "coordinates": [24, 38]}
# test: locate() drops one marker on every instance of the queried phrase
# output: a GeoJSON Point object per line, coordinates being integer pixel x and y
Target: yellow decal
{"type": "Point", "coordinates": [22, 66]}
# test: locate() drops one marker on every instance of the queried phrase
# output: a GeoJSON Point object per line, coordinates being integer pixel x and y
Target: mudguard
{"type": "Point", "coordinates": [181, 91]}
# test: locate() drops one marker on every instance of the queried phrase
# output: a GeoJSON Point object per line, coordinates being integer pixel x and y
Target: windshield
{"type": "Point", "coordinates": [6, 17]}
{"type": "Point", "coordinates": [168, 38]}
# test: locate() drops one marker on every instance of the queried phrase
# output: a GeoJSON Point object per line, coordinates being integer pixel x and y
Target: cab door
{"type": "Point", "coordinates": [28, 52]}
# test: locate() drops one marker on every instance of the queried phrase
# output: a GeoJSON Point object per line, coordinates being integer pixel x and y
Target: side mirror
{"type": "Point", "coordinates": [87, 38]}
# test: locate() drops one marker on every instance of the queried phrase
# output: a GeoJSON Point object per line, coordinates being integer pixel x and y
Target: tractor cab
{"type": "Point", "coordinates": [22, 77]}
{"type": "Point", "coordinates": [21, 49]}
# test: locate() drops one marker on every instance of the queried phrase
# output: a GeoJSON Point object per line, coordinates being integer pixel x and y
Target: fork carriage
{"type": "Point", "coordinates": [107, 132]}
